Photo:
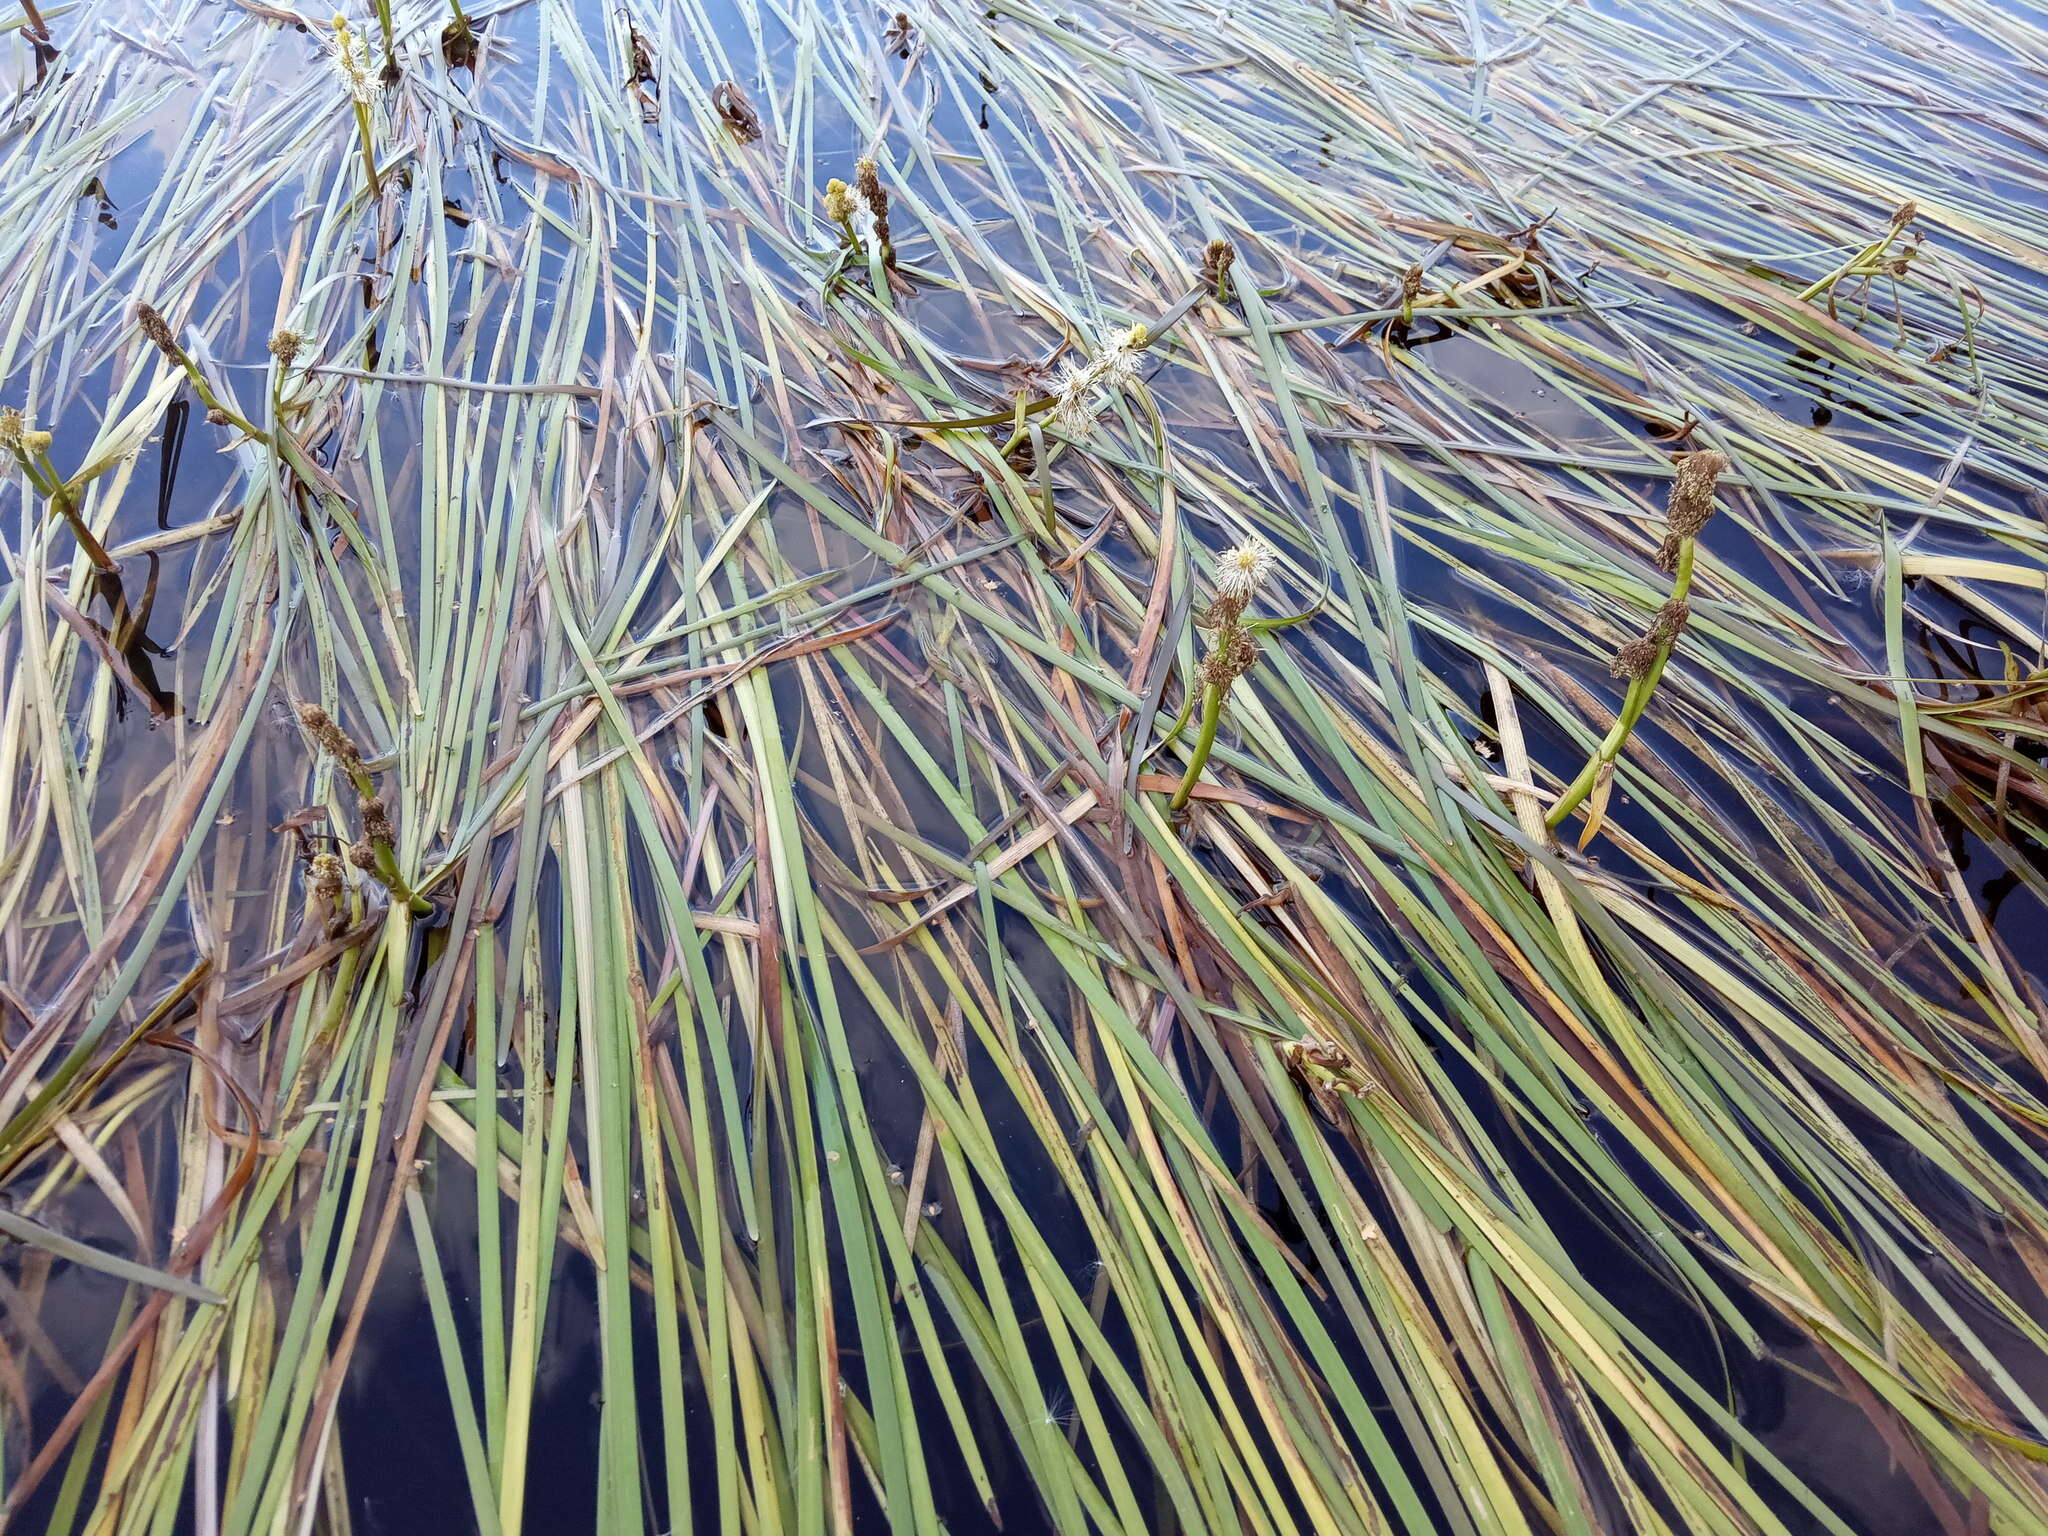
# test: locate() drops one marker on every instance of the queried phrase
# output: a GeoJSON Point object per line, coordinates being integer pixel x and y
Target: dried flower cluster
{"type": "Point", "coordinates": [336, 742]}
{"type": "Point", "coordinates": [18, 437]}
{"type": "Point", "coordinates": [377, 826]}
{"type": "Point", "coordinates": [1634, 660]}
{"type": "Point", "coordinates": [874, 198]}
{"type": "Point", "coordinates": [1218, 257]}
{"type": "Point", "coordinates": [376, 852]}
{"type": "Point", "coordinates": [1691, 503]}
{"type": "Point", "coordinates": [324, 878]}
{"type": "Point", "coordinates": [159, 332]}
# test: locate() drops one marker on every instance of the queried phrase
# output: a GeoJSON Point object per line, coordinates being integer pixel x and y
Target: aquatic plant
{"type": "Point", "coordinates": [778, 1062]}
{"type": "Point", "coordinates": [29, 447]}
{"type": "Point", "coordinates": [1240, 573]}
{"type": "Point", "coordinates": [1642, 660]}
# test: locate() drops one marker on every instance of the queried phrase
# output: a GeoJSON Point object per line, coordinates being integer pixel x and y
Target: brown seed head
{"type": "Point", "coordinates": [216, 417]}
{"type": "Point", "coordinates": [158, 330]}
{"type": "Point", "coordinates": [324, 877]}
{"type": "Point", "coordinates": [1230, 657]}
{"type": "Point", "coordinates": [1691, 503]}
{"type": "Point", "coordinates": [285, 345]}
{"type": "Point", "coordinates": [868, 178]}
{"type": "Point", "coordinates": [1218, 257]}
{"type": "Point", "coordinates": [12, 427]}
{"type": "Point", "coordinates": [1634, 660]}
{"type": "Point", "coordinates": [1225, 609]}
{"type": "Point", "coordinates": [377, 821]}
{"type": "Point", "coordinates": [337, 742]}
{"type": "Point", "coordinates": [363, 856]}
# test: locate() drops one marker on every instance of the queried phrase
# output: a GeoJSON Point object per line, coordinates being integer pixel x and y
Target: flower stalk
{"type": "Point", "coordinates": [159, 332]}
{"type": "Point", "coordinates": [1085, 390]}
{"type": "Point", "coordinates": [351, 55]}
{"type": "Point", "coordinates": [31, 451]}
{"type": "Point", "coordinates": [376, 852]}
{"type": "Point", "coordinates": [1240, 574]}
{"type": "Point", "coordinates": [1874, 260]}
{"type": "Point", "coordinates": [1642, 660]}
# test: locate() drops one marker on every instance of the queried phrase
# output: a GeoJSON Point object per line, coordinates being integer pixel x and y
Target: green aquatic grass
{"type": "Point", "coordinates": [954, 1068]}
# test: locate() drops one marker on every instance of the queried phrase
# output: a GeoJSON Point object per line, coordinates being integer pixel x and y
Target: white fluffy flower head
{"type": "Point", "coordinates": [1118, 361]}
{"type": "Point", "coordinates": [351, 54]}
{"type": "Point", "coordinates": [1242, 571]}
{"type": "Point", "coordinates": [1085, 389]}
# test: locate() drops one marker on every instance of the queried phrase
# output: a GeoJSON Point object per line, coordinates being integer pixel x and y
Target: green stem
{"type": "Point", "coordinates": [1018, 433]}
{"type": "Point", "coordinates": [1180, 723]}
{"type": "Point", "coordinates": [369, 153]}
{"type": "Point", "coordinates": [1212, 713]}
{"type": "Point", "coordinates": [1858, 265]}
{"type": "Point", "coordinates": [390, 56]}
{"type": "Point", "coordinates": [1632, 706]}
{"type": "Point", "coordinates": [212, 402]}
{"type": "Point", "coordinates": [394, 882]}
{"type": "Point", "coordinates": [44, 477]}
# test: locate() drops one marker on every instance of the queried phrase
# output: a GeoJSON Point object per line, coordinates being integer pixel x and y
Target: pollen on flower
{"type": "Point", "coordinates": [839, 204]}
{"type": "Point", "coordinates": [324, 876]}
{"type": "Point", "coordinates": [1085, 390]}
{"type": "Point", "coordinates": [1242, 571]}
{"type": "Point", "coordinates": [351, 56]}
{"type": "Point", "coordinates": [1120, 363]}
